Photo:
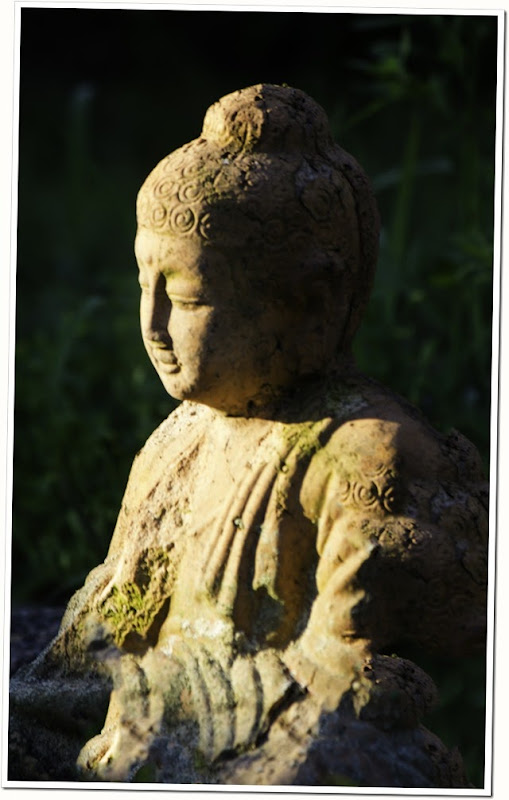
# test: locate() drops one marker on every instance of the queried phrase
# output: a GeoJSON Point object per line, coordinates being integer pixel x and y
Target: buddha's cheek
{"type": "Point", "coordinates": [224, 360]}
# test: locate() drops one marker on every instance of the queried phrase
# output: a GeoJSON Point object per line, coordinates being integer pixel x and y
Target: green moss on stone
{"type": "Point", "coordinates": [133, 606]}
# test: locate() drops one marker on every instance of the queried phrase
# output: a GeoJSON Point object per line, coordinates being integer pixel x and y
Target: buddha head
{"type": "Point", "coordinates": [256, 246]}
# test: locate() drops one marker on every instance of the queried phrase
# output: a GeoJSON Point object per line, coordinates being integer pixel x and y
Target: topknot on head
{"type": "Point", "coordinates": [268, 119]}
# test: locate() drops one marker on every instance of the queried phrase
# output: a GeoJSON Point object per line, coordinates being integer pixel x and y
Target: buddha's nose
{"type": "Point", "coordinates": [155, 320]}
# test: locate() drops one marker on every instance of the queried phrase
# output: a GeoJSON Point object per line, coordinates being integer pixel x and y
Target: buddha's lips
{"type": "Point", "coordinates": [166, 359]}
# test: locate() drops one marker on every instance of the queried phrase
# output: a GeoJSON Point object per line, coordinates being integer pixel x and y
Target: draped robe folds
{"type": "Point", "coordinates": [258, 569]}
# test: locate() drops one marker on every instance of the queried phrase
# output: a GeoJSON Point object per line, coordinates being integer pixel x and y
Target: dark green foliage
{"type": "Point", "coordinates": [427, 332]}
{"type": "Point", "coordinates": [104, 96]}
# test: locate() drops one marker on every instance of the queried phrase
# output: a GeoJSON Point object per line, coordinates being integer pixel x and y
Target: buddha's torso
{"type": "Point", "coordinates": [231, 527]}
{"type": "Point", "coordinates": [219, 500]}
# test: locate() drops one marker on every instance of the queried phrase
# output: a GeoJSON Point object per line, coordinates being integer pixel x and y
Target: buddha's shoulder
{"type": "Point", "coordinates": [176, 435]}
{"type": "Point", "coordinates": [373, 430]}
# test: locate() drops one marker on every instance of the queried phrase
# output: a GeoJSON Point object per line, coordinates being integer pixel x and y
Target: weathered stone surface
{"type": "Point", "coordinates": [287, 523]}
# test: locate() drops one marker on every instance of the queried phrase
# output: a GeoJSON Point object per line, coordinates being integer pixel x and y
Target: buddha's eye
{"type": "Point", "coordinates": [186, 303]}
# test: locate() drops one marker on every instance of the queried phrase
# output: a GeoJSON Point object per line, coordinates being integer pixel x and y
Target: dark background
{"type": "Point", "coordinates": [104, 95]}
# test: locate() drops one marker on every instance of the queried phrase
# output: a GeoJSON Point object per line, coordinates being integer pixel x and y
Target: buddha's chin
{"type": "Point", "coordinates": [175, 385]}
{"type": "Point", "coordinates": [182, 387]}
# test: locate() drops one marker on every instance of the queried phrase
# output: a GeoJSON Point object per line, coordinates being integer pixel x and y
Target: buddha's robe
{"type": "Point", "coordinates": [259, 565]}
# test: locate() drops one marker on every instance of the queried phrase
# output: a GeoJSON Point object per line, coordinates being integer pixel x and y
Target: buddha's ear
{"type": "Point", "coordinates": [324, 309]}
{"type": "Point", "coordinates": [322, 286]}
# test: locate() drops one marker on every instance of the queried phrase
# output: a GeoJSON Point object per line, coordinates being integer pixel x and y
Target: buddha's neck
{"type": "Point", "coordinates": [291, 405]}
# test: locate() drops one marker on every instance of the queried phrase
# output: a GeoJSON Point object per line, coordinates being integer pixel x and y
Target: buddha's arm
{"type": "Point", "coordinates": [413, 576]}
{"type": "Point", "coordinates": [403, 556]}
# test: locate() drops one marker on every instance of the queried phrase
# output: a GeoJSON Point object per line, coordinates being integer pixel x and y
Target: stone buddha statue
{"type": "Point", "coordinates": [288, 523]}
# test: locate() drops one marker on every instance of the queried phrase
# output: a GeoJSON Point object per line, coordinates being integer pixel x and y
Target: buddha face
{"type": "Point", "coordinates": [209, 340]}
